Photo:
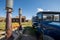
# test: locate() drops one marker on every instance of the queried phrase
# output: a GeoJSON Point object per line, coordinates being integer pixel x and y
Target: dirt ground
{"type": "Point", "coordinates": [26, 36]}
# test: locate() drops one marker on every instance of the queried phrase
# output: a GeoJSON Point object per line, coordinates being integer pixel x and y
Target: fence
{"type": "Point", "coordinates": [2, 35]}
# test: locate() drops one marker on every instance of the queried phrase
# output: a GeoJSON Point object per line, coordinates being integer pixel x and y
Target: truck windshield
{"type": "Point", "coordinates": [51, 17]}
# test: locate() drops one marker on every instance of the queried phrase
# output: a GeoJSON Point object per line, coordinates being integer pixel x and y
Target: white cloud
{"type": "Point", "coordinates": [39, 9]}
{"type": "Point", "coordinates": [28, 18]}
{"type": "Point", "coordinates": [48, 10]}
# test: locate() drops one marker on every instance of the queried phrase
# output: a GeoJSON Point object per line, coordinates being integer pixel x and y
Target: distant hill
{"type": "Point", "coordinates": [2, 19]}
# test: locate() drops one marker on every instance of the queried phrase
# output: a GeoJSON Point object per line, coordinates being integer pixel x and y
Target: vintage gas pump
{"type": "Point", "coordinates": [20, 16]}
{"type": "Point", "coordinates": [9, 9]}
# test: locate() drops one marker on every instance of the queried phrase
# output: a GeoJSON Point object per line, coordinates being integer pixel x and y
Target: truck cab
{"type": "Point", "coordinates": [49, 22]}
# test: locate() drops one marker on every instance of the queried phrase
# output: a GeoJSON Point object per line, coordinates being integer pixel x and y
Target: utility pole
{"type": "Point", "coordinates": [9, 8]}
{"type": "Point", "coordinates": [20, 16]}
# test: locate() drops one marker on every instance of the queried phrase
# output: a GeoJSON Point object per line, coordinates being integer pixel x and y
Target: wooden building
{"type": "Point", "coordinates": [17, 19]}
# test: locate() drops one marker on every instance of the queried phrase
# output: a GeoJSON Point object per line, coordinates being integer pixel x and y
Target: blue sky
{"type": "Point", "coordinates": [30, 7]}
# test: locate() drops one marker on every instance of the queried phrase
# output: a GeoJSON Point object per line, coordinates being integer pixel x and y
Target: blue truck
{"type": "Point", "coordinates": [49, 22]}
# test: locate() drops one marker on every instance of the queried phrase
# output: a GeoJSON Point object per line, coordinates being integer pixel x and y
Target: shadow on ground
{"type": "Point", "coordinates": [28, 34]}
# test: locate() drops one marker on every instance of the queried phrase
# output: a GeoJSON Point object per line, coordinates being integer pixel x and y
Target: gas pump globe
{"type": "Point", "coordinates": [9, 3]}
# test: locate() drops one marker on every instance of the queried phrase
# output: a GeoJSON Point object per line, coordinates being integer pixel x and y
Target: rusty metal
{"type": "Point", "coordinates": [8, 25]}
{"type": "Point", "coordinates": [9, 6]}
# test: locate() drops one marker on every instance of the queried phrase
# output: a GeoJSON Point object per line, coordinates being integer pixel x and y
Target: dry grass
{"type": "Point", "coordinates": [15, 24]}
{"type": "Point", "coordinates": [2, 26]}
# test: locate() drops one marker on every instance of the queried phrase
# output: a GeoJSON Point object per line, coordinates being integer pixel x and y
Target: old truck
{"type": "Point", "coordinates": [49, 22]}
